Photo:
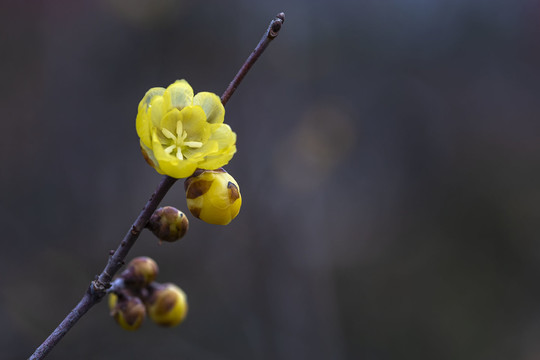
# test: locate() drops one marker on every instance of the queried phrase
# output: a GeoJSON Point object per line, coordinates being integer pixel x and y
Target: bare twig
{"type": "Point", "coordinates": [268, 36]}
{"type": "Point", "coordinates": [98, 288]}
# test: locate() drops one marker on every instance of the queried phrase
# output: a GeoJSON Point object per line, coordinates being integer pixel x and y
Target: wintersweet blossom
{"type": "Point", "coordinates": [180, 132]}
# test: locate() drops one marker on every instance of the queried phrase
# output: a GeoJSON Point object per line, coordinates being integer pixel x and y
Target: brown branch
{"type": "Point", "coordinates": [98, 288]}
{"type": "Point", "coordinates": [269, 35]}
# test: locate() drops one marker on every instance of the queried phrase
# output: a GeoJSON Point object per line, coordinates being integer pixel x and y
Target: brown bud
{"type": "Point", "coordinates": [167, 304]}
{"type": "Point", "coordinates": [168, 224]}
{"type": "Point", "coordinates": [128, 311]}
{"type": "Point", "coordinates": [140, 272]}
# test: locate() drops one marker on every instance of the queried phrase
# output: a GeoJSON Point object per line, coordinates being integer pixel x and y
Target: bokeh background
{"type": "Point", "coordinates": [388, 158]}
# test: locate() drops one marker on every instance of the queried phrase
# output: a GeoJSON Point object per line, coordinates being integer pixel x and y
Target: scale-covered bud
{"type": "Point", "coordinates": [140, 272]}
{"type": "Point", "coordinates": [128, 311]}
{"type": "Point", "coordinates": [213, 196]}
{"type": "Point", "coordinates": [167, 305]}
{"type": "Point", "coordinates": [168, 224]}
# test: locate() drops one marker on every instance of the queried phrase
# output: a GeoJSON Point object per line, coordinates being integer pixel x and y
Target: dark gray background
{"type": "Point", "coordinates": [388, 158]}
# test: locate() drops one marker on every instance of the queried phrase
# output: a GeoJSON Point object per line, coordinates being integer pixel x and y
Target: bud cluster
{"type": "Point", "coordinates": [135, 294]}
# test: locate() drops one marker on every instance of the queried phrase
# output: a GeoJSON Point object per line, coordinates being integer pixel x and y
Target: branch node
{"type": "Point", "coordinates": [97, 288]}
{"type": "Point", "coordinates": [116, 285]}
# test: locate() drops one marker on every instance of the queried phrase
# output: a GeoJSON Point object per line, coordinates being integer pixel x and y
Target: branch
{"type": "Point", "coordinates": [98, 288]}
{"type": "Point", "coordinates": [269, 35]}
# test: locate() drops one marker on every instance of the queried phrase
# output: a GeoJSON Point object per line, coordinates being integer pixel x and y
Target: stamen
{"type": "Point", "coordinates": [169, 149]}
{"type": "Point", "coordinates": [193, 144]}
{"type": "Point", "coordinates": [178, 141]}
{"type": "Point", "coordinates": [179, 154]}
{"type": "Point", "coordinates": [179, 128]}
{"type": "Point", "coordinates": [168, 134]}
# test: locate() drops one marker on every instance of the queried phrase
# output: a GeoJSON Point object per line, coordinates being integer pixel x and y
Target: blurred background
{"type": "Point", "coordinates": [388, 158]}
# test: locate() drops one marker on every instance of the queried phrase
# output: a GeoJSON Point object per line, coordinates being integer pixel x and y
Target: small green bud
{"type": "Point", "coordinates": [140, 272]}
{"type": "Point", "coordinates": [128, 311]}
{"type": "Point", "coordinates": [168, 224]}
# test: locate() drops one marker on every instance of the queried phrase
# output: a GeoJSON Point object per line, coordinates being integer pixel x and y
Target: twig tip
{"type": "Point", "coordinates": [275, 25]}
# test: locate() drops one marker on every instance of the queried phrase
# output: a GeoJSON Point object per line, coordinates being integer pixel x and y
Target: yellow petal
{"type": "Point", "coordinates": [197, 154]}
{"type": "Point", "coordinates": [150, 94]}
{"type": "Point", "coordinates": [226, 140]}
{"type": "Point", "coordinates": [157, 110]}
{"type": "Point", "coordinates": [224, 135]}
{"type": "Point", "coordinates": [149, 156]}
{"type": "Point", "coordinates": [170, 164]}
{"type": "Point", "coordinates": [143, 122]}
{"type": "Point", "coordinates": [170, 120]}
{"type": "Point", "coordinates": [178, 95]}
{"type": "Point", "coordinates": [212, 106]}
{"type": "Point", "coordinates": [213, 162]}
{"type": "Point", "coordinates": [195, 125]}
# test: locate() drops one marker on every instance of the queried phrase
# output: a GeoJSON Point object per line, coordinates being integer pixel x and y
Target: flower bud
{"type": "Point", "coordinates": [128, 311]}
{"type": "Point", "coordinates": [168, 224]}
{"type": "Point", "coordinates": [167, 305]}
{"type": "Point", "coordinates": [213, 196]}
{"type": "Point", "coordinates": [140, 272]}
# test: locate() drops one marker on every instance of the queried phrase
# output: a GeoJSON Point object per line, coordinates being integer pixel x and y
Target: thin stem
{"type": "Point", "coordinates": [78, 311]}
{"type": "Point", "coordinates": [98, 288]}
{"type": "Point", "coordinates": [116, 261]}
{"type": "Point", "coordinates": [269, 35]}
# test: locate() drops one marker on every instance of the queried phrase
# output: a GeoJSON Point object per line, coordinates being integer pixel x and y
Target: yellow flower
{"type": "Point", "coordinates": [180, 132]}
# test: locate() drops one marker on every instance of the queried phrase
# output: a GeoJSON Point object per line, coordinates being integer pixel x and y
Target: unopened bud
{"type": "Point", "coordinates": [213, 196]}
{"type": "Point", "coordinates": [140, 272]}
{"type": "Point", "coordinates": [167, 305]}
{"type": "Point", "coordinates": [128, 311]}
{"type": "Point", "coordinates": [168, 224]}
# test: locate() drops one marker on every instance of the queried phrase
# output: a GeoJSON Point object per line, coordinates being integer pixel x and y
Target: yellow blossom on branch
{"type": "Point", "coordinates": [180, 132]}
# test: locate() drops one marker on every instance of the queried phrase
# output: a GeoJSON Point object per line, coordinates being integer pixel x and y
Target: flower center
{"type": "Point", "coordinates": [178, 142]}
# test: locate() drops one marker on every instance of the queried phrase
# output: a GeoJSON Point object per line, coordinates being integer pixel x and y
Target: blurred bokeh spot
{"type": "Point", "coordinates": [314, 147]}
{"type": "Point", "coordinates": [147, 12]}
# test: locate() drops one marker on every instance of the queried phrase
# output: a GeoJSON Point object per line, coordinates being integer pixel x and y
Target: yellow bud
{"type": "Point", "coordinates": [168, 224]}
{"type": "Point", "coordinates": [213, 196]}
{"type": "Point", "coordinates": [140, 272]}
{"type": "Point", "coordinates": [167, 305]}
{"type": "Point", "coordinates": [128, 311]}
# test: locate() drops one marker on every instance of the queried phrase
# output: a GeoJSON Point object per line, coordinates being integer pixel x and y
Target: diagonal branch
{"type": "Point", "coordinates": [268, 36]}
{"type": "Point", "coordinates": [98, 288]}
